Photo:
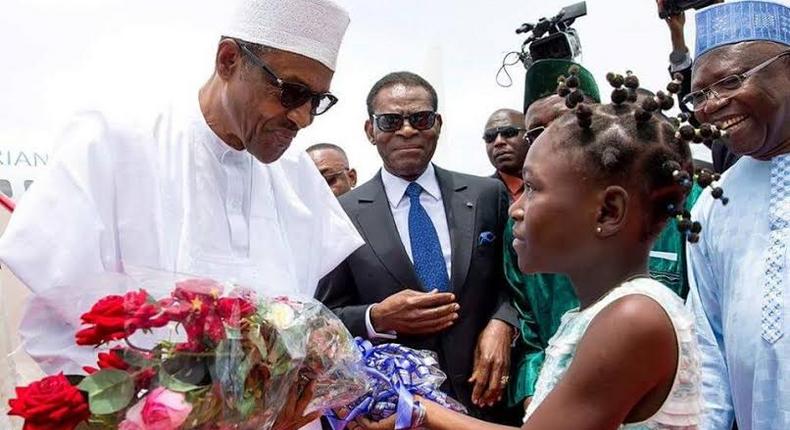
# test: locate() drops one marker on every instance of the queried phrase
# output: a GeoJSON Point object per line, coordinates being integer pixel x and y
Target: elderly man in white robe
{"type": "Point", "coordinates": [739, 270]}
{"type": "Point", "coordinates": [207, 186]}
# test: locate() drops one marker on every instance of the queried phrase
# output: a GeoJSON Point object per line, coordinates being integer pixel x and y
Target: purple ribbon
{"type": "Point", "coordinates": [396, 372]}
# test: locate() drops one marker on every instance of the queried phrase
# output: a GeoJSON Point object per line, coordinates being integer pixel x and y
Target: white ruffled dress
{"type": "Point", "coordinates": [682, 407]}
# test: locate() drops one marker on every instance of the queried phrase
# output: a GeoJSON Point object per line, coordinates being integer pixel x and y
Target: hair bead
{"type": "Point", "coordinates": [615, 80]}
{"type": "Point", "coordinates": [631, 81]}
{"type": "Point", "coordinates": [619, 96]}
{"type": "Point", "coordinates": [563, 90]}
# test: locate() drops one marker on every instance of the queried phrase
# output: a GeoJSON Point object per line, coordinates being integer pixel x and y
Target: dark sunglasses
{"type": "Point", "coordinates": [293, 95]}
{"type": "Point", "coordinates": [389, 122]}
{"type": "Point", "coordinates": [532, 134]}
{"type": "Point", "coordinates": [506, 132]}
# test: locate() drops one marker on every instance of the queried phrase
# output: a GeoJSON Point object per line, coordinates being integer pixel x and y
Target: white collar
{"type": "Point", "coordinates": [217, 146]}
{"type": "Point", "coordinates": [395, 187]}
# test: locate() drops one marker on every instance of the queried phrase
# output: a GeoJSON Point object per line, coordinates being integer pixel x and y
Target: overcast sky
{"type": "Point", "coordinates": [60, 56]}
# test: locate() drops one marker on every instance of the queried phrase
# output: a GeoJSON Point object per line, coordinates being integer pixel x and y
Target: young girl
{"type": "Point", "coordinates": [600, 184]}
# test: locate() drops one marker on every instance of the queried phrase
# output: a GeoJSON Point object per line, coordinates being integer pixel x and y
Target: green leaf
{"type": "Point", "coordinates": [174, 384]}
{"type": "Point", "coordinates": [136, 359]}
{"type": "Point", "coordinates": [246, 406]}
{"type": "Point", "coordinates": [188, 369]}
{"type": "Point", "coordinates": [255, 337]}
{"type": "Point", "coordinates": [109, 391]}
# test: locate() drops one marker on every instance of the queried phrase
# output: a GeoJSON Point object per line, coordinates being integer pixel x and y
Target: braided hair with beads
{"type": "Point", "coordinates": [632, 136]}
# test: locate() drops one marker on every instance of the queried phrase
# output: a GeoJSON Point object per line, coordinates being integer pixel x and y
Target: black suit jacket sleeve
{"type": "Point", "coordinates": [338, 292]}
{"type": "Point", "coordinates": [505, 310]}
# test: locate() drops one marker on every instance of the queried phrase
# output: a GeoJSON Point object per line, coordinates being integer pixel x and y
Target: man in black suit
{"type": "Point", "coordinates": [430, 275]}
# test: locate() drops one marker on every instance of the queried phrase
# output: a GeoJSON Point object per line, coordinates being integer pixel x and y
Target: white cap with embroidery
{"type": "Point", "coordinates": [313, 28]}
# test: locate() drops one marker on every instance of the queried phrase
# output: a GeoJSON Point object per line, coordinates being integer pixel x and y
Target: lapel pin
{"type": "Point", "coordinates": [469, 204]}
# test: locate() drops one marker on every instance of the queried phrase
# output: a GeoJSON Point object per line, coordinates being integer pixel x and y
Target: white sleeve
{"type": "Point", "coordinates": [57, 235]}
{"type": "Point", "coordinates": [372, 333]}
{"type": "Point", "coordinates": [339, 238]}
{"type": "Point", "coordinates": [704, 304]}
{"type": "Point", "coordinates": [320, 232]}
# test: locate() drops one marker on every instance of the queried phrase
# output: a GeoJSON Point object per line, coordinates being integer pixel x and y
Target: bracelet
{"type": "Point", "coordinates": [418, 415]}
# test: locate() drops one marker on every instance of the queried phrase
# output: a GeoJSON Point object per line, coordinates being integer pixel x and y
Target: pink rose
{"type": "Point", "coordinates": [161, 409]}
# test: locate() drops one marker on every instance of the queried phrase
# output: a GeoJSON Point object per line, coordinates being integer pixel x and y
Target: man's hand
{"type": "Point", "coordinates": [676, 23]}
{"type": "Point", "coordinates": [492, 363]}
{"type": "Point", "coordinates": [413, 312]}
{"type": "Point", "coordinates": [292, 415]}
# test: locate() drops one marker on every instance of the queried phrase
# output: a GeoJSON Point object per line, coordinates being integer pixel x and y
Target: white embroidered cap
{"type": "Point", "coordinates": [313, 28]}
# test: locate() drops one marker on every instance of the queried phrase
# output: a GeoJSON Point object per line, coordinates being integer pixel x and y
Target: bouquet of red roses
{"type": "Point", "coordinates": [217, 361]}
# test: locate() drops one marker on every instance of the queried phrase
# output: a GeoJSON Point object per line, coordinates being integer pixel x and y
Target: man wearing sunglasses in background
{"type": "Point", "coordinates": [206, 187]}
{"type": "Point", "coordinates": [506, 148]}
{"type": "Point", "coordinates": [332, 161]}
{"type": "Point", "coordinates": [739, 270]}
{"type": "Point", "coordinates": [430, 275]}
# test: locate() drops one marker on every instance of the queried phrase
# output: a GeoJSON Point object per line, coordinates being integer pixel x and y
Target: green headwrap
{"type": "Point", "coordinates": [542, 77]}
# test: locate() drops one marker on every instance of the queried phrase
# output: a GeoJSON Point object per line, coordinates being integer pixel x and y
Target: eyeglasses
{"type": "Point", "coordinates": [724, 88]}
{"type": "Point", "coordinates": [507, 132]}
{"type": "Point", "coordinates": [532, 134]}
{"type": "Point", "coordinates": [390, 122]}
{"type": "Point", "coordinates": [293, 95]}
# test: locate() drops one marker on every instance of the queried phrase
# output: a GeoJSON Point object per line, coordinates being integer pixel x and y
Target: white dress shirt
{"type": "Point", "coordinates": [431, 201]}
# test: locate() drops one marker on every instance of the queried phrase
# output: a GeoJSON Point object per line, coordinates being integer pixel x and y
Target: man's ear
{"type": "Point", "coordinates": [228, 59]}
{"type": "Point", "coordinates": [438, 124]}
{"type": "Point", "coordinates": [369, 131]}
{"type": "Point", "coordinates": [612, 211]}
{"type": "Point", "coordinates": [352, 176]}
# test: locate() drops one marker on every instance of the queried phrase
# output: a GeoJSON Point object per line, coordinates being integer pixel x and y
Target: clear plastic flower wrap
{"type": "Point", "coordinates": [200, 354]}
{"type": "Point", "coordinates": [397, 374]}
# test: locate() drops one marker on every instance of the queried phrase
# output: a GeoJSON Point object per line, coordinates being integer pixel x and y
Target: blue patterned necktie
{"type": "Point", "coordinates": [779, 215]}
{"type": "Point", "coordinates": [426, 251]}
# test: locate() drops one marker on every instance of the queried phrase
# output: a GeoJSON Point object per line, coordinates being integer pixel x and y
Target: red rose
{"type": "Point", "coordinates": [112, 360]}
{"type": "Point", "coordinates": [107, 317]}
{"type": "Point", "coordinates": [116, 317]}
{"type": "Point", "coordinates": [176, 311]}
{"type": "Point", "coordinates": [191, 288]}
{"type": "Point", "coordinates": [232, 310]}
{"type": "Point", "coordinates": [50, 404]}
{"type": "Point", "coordinates": [197, 305]}
{"type": "Point", "coordinates": [194, 305]}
